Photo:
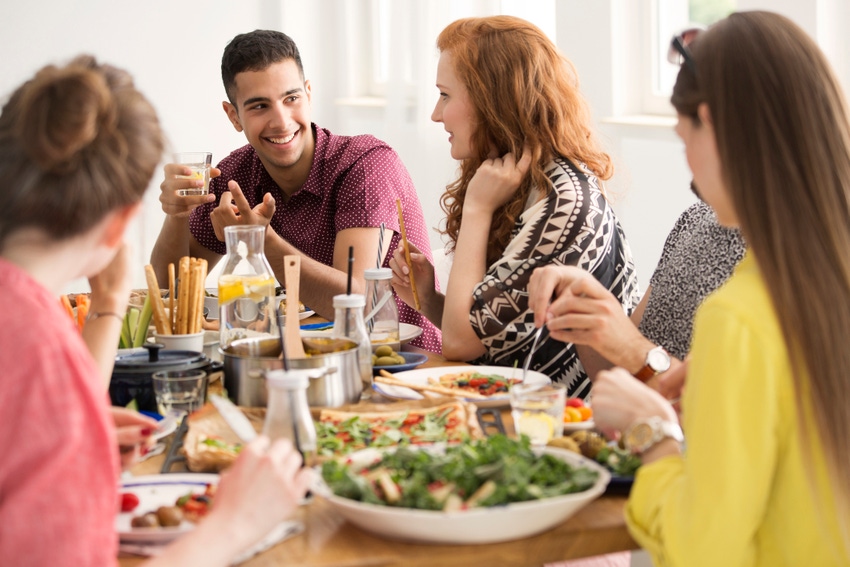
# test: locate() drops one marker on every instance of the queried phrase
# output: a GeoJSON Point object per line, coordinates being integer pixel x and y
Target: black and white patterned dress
{"type": "Point", "coordinates": [698, 257]}
{"type": "Point", "coordinates": [574, 225]}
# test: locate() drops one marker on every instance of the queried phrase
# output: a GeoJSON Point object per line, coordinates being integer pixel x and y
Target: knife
{"type": "Point", "coordinates": [234, 417]}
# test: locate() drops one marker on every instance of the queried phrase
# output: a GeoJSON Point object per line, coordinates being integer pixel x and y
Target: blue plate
{"type": "Point", "coordinates": [411, 361]}
{"type": "Point", "coordinates": [620, 485]}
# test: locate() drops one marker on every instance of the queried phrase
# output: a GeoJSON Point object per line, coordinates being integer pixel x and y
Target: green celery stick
{"type": "Point", "coordinates": [132, 318]}
{"type": "Point", "coordinates": [125, 339]}
{"type": "Point", "coordinates": [144, 323]}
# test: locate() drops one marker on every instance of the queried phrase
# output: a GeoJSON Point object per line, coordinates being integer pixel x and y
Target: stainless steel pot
{"type": "Point", "coordinates": [246, 360]}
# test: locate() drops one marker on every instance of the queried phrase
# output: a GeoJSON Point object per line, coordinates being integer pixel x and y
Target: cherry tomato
{"type": "Point", "coordinates": [129, 501]}
{"type": "Point", "coordinates": [575, 403]}
{"type": "Point", "coordinates": [586, 413]}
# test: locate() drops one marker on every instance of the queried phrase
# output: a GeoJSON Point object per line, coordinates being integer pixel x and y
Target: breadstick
{"type": "Point", "coordinates": [199, 295]}
{"type": "Point", "coordinates": [171, 300]}
{"type": "Point", "coordinates": [160, 319]}
{"type": "Point", "coordinates": [387, 378]}
{"type": "Point", "coordinates": [406, 247]}
{"type": "Point", "coordinates": [183, 283]}
{"type": "Point", "coordinates": [191, 304]}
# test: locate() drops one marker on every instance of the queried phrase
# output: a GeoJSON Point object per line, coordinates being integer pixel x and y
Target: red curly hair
{"type": "Point", "coordinates": [525, 95]}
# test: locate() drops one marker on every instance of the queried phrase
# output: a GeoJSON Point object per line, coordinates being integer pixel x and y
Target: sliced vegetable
{"type": "Point", "coordinates": [66, 303]}
{"type": "Point", "coordinates": [83, 304]}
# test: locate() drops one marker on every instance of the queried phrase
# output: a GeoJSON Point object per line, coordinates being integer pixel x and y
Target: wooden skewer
{"type": "Point", "coordinates": [406, 247]}
{"type": "Point", "coordinates": [160, 319]}
{"type": "Point", "coordinates": [389, 379]}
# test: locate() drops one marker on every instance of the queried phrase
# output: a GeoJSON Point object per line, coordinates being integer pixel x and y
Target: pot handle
{"type": "Point", "coordinates": [328, 370]}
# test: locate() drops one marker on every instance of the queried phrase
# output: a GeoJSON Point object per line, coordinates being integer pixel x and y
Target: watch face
{"type": "Point", "coordinates": [639, 436]}
{"type": "Point", "coordinates": [658, 360]}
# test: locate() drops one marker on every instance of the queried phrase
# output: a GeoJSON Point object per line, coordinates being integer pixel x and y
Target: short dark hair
{"type": "Point", "coordinates": [254, 51]}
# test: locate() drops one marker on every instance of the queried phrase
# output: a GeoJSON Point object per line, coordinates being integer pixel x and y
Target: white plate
{"type": "Point", "coordinates": [476, 526]}
{"type": "Point", "coordinates": [406, 331]}
{"type": "Point", "coordinates": [579, 425]}
{"type": "Point", "coordinates": [155, 491]}
{"type": "Point", "coordinates": [301, 314]}
{"type": "Point", "coordinates": [420, 376]}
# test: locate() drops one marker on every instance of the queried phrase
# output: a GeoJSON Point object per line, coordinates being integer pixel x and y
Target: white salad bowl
{"type": "Point", "coordinates": [473, 526]}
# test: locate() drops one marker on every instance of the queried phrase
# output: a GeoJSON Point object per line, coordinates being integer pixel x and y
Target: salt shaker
{"type": "Point", "coordinates": [381, 309]}
{"type": "Point", "coordinates": [288, 414]}
{"type": "Point", "coordinates": [349, 324]}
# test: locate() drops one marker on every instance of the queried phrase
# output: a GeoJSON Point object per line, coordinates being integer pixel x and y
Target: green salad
{"type": "Point", "coordinates": [619, 461]}
{"type": "Point", "coordinates": [489, 472]}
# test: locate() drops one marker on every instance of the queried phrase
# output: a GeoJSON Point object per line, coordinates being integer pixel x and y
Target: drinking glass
{"type": "Point", "coordinates": [180, 391]}
{"type": "Point", "coordinates": [199, 163]}
{"type": "Point", "coordinates": [538, 411]}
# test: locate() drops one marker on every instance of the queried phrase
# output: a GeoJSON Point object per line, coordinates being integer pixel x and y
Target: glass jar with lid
{"type": "Point", "coordinates": [381, 313]}
{"type": "Point", "coordinates": [349, 324]}
{"type": "Point", "coordinates": [246, 286]}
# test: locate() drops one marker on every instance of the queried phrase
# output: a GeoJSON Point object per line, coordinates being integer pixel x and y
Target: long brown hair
{"type": "Point", "coordinates": [76, 142]}
{"type": "Point", "coordinates": [525, 94]}
{"type": "Point", "coordinates": [783, 137]}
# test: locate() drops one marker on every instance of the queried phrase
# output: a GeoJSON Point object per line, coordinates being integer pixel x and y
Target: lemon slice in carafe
{"type": "Point", "coordinates": [539, 427]}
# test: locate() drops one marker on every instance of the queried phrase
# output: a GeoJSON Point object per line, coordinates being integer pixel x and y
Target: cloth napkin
{"type": "Point", "coordinates": [281, 532]}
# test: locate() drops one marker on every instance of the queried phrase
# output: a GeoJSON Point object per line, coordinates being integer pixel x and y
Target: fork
{"type": "Point", "coordinates": [530, 354]}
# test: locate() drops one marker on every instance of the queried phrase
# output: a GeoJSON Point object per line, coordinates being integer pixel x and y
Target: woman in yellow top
{"type": "Point", "coordinates": [763, 480]}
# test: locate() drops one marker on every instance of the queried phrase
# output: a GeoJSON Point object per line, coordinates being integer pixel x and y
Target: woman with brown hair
{"type": "Point", "coordinates": [78, 147]}
{"type": "Point", "coordinates": [764, 478]}
{"type": "Point", "coordinates": [529, 194]}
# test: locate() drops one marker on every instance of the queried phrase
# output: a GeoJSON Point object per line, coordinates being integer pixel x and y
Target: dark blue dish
{"type": "Point", "coordinates": [412, 360]}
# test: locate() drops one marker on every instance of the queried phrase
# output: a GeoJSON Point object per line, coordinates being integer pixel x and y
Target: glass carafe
{"type": "Point", "coordinates": [381, 313]}
{"type": "Point", "coordinates": [349, 324]}
{"type": "Point", "coordinates": [288, 413]}
{"type": "Point", "coordinates": [245, 287]}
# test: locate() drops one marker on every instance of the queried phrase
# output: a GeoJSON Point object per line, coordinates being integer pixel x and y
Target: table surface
{"type": "Point", "coordinates": [329, 540]}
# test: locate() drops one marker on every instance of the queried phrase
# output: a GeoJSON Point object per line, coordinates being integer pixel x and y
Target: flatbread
{"type": "Point", "coordinates": [210, 445]}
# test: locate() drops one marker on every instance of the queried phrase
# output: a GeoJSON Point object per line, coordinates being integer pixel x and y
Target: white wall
{"type": "Point", "coordinates": [174, 50]}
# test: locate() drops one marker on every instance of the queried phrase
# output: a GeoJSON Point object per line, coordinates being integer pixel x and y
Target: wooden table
{"type": "Point", "coordinates": [329, 540]}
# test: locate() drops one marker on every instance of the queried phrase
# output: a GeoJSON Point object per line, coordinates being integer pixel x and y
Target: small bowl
{"type": "Point", "coordinates": [411, 361]}
{"type": "Point", "coordinates": [193, 342]}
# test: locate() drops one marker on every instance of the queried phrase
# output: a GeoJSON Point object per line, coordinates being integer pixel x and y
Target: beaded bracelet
{"type": "Point", "coordinates": [96, 314]}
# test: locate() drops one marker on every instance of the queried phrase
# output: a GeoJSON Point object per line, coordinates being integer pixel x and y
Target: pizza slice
{"type": "Point", "coordinates": [476, 383]}
{"type": "Point", "coordinates": [342, 432]}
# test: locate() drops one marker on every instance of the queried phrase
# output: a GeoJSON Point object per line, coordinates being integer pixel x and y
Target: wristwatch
{"type": "Point", "coordinates": [657, 361]}
{"type": "Point", "coordinates": [645, 433]}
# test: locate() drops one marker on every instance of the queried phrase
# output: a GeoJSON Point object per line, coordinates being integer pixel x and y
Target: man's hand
{"type": "Point", "coordinates": [181, 205]}
{"type": "Point", "coordinates": [234, 209]}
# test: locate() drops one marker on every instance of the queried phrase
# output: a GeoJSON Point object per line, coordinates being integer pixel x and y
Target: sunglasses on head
{"type": "Point", "coordinates": [679, 52]}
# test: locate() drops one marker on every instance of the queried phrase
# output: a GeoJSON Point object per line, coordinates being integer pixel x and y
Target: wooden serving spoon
{"type": "Point", "coordinates": [292, 328]}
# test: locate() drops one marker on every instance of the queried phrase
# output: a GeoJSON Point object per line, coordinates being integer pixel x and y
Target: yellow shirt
{"type": "Point", "coordinates": [741, 494]}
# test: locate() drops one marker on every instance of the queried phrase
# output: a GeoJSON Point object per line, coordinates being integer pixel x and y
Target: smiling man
{"type": "Point", "coordinates": [316, 192]}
